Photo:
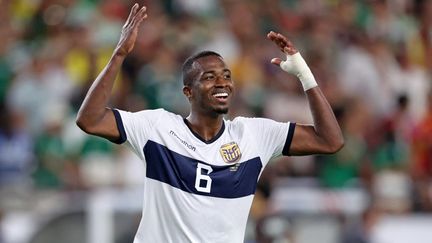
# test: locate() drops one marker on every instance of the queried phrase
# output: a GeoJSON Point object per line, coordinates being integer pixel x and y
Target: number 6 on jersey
{"type": "Point", "coordinates": [200, 177]}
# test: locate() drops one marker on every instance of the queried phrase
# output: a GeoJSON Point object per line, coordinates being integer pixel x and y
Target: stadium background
{"type": "Point", "coordinates": [372, 58]}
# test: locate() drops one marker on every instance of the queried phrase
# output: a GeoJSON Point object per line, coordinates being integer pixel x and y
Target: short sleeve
{"type": "Point", "coordinates": [271, 137]}
{"type": "Point", "coordinates": [135, 127]}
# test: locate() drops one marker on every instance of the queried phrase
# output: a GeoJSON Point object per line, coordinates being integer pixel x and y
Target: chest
{"type": "Point", "coordinates": [226, 168]}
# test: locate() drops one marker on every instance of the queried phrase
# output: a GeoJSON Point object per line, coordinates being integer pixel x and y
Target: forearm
{"type": "Point", "coordinates": [324, 136]}
{"type": "Point", "coordinates": [326, 127]}
{"type": "Point", "coordinates": [93, 108]}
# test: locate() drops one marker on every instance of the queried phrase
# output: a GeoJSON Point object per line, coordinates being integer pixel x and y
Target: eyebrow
{"type": "Point", "coordinates": [212, 71]}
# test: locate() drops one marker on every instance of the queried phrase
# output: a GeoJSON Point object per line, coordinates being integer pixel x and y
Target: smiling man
{"type": "Point", "coordinates": [202, 171]}
{"type": "Point", "coordinates": [214, 78]}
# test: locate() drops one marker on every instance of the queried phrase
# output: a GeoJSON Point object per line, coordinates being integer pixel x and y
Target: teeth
{"type": "Point", "coordinates": [221, 95]}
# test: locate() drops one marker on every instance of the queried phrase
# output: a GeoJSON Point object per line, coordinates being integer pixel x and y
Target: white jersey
{"type": "Point", "coordinates": [196, 190]}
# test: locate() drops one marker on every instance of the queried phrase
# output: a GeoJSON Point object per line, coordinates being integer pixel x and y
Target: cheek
{"type": "Point", "coordinates": [198, 93]}
{"type": "Point", "coordinates": [232, 87]}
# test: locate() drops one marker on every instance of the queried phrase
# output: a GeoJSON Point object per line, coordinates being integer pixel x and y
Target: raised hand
{"type": "Point", "coordinates": [294, 63]}
{"type": "Point", "coordinates": [285, 45]}
{"type": "Point", "coordinates": [130, 30]}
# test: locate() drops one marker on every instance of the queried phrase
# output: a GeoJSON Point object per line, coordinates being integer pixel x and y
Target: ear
{"type": "Point", "coordinates": [188, 92]}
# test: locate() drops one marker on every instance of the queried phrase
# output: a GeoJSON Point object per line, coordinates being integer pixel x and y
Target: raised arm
{"type": "Point", "coordinates": [93, 116]}
{"type": "Point", "coordinates": [324, 136]}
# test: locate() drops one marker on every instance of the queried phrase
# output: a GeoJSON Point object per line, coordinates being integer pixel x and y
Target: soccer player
{"type": "Point", "coordinates": [202, 171]}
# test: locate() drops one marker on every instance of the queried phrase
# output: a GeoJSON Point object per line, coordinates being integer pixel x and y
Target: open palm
{"type": "Point", "coordinates": [130, 30]}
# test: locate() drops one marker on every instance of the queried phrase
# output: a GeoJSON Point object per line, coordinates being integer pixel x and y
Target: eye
{"type": "Point", "coordinates": [209, 77]}
{"type": "Point", "coordinates": [227, 76]}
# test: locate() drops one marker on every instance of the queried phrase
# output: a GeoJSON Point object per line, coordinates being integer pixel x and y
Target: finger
{"type": "Point", "coordinates": [277, 39]}
{"type": "Point", "coordinates": [144, 16]}
{"type": "Point", "coordinates": [283, 39]}
{"type": "Point", "coordinates": [290, 50]}
{"type": "Point", "coordinates": [286, 41]}
{"type": "Point", "coordinates": [271, 35]}
{"type": "Point", "coordinates": [280, 44]}
{"type": "Point", "coordinates": [138, 17]}
{"type": "Point", "coordinates": [132, 13]}
{"type": "Point", "coordinates": [276, 61]}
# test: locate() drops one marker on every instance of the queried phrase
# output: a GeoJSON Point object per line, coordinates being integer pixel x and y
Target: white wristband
{"type": "Point", "coordinates": [296, 65]}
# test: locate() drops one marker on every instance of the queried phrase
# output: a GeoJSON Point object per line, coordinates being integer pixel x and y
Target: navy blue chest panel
{"type": "Point", "coordinates": [231, 181]}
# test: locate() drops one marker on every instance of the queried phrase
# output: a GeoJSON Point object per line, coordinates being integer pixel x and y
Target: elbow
{"type": "Point", "coordinates": [80, 121]}
{"type": "Point", "coordinates": [89, 122]}
{"type": "Point", "coordinates": [336, 145]}
{"type": "Point", "coordinates": [332, 146]}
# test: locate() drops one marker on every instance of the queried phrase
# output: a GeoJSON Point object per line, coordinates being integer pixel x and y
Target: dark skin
{"type": "Point", "coordinates": [206, 112]}
{"type": "Point", "coordinates": [325, 136]}
{"type": "Point", "coordinates": [93, 116]}
{"type": "Point", "coordinates": [209, 95]}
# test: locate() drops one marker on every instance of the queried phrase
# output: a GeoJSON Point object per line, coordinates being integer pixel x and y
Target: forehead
{"type": "Point", "coordinates": [209, 63]}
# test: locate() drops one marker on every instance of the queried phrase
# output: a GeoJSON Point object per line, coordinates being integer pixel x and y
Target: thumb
{"type": "Point", "coordinates": [276, 61]}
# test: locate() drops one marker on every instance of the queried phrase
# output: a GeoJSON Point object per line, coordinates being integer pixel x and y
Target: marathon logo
{"type": "Point", "coordinates": [191, 147]}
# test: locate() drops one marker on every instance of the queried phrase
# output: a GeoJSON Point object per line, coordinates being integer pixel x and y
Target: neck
{"type": "Point", "coordinates": [207, 127]}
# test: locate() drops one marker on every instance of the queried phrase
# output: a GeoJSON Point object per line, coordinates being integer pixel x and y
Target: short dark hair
{"type": "Point", "coordinates": [188, 73]}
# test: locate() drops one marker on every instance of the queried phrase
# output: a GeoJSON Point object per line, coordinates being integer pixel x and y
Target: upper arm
{"type": "Point", "coordinates": [271, 137]}
{"type": "Point", "coordinates": [106, 127]}
{"type": "Point", "coordinates": [306, 141]}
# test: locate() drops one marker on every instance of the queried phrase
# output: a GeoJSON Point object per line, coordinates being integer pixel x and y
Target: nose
{"type": "Point", "coordinates": [221, 81]}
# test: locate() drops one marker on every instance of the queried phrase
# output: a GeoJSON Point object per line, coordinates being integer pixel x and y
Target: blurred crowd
{"type": "Point", "coordinates": [371, 58]}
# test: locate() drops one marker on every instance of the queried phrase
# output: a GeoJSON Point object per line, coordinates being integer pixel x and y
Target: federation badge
{"type": "Point", "coordinates": [230, 152]}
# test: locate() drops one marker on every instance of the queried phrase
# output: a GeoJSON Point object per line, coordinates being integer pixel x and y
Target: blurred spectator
{"type": "Point", "coordinates": [40, 86]}
{"type": "Point", "coordinates": [390, 159]}
{"type": "Point", "coordinates": [7, 34]}
{"type": "Point", "coordinates": [420, 43]}
{"type": "Point", "coordinates": [51, 152]}
{"type": "Point", "coordinates": [413, 82]}
{"type": "Point", "coordinates": [360, 231]}
{"type": "Point", "coordinates": [17, 159]}
{"type": "Point", "coordinates": [5, 74]}
{"type": "Point", "coordinates": [344, 169]}
{"type": "Point", "coordinates": [16, 149]}
{"type": "Point", "coordinates": [98, 165]}
{"type": "Point", "coordinates": [388, 19]}
{"type": "Point", "coordinates": [422, 159]}
{"type": "Point", "coordinates": [158, 83]}
{"type": "Point", "coordinates": [368, 70]}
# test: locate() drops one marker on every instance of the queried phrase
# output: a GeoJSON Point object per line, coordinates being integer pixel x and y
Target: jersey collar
{"type": "Point", "coordinates": [222, 129]}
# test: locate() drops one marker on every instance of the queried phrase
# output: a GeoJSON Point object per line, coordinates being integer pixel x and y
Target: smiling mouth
{"type": "Point", "coordinates": [222, 96]}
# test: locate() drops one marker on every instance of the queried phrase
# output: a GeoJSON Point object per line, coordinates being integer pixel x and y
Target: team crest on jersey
{"type": "Point", "coordinates": [230, 152]}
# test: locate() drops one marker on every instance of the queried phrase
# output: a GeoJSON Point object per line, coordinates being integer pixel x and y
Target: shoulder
{"type": "Point", "coordinates": [240, 123]}
{"type": "Point", "coordinates": [257, 124]}
{"type": "Point", "coordinates": [146, 117]}
{"type": "Point", "coordinates": [151, 114]}
{"type": "Point", "coordinates": [251, 121]}
{"type": "Point", "coordinates": [163, 117]}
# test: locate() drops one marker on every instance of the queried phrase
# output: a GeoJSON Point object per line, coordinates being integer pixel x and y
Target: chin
{"type": "Point", "coordinates": [223, 110]}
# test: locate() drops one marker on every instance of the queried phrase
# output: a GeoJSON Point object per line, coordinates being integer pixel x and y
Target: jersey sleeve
{"type": "Point", "coordinates": [272, 138]}
{"type": "Point", "coordinates": [135, 127]}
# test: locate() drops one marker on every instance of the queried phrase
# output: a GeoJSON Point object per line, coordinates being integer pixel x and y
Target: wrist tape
{"type": "Point", "coordinates": [296, 65]}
